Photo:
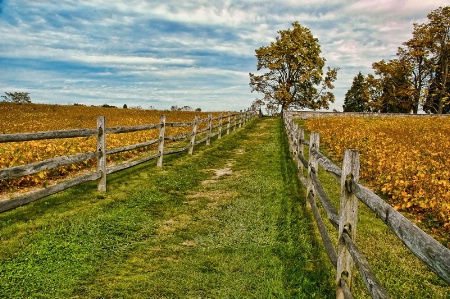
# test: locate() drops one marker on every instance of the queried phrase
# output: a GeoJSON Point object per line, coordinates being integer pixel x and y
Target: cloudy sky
{"type": "Point", "coordinates": [196, 53]}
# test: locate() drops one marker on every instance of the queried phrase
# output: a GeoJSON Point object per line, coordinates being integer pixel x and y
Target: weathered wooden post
{"type": "Point", "coordinates": [301, 154]}
{"type": "Point", "coordinates": [240, 119]}
{"type": "Point", "coordinates": [235, 122]}
{"type": "Point", "coordinates": [229, 123]}
{"type": "Point", "coordinates": [348, 219]}
{"type": "Point", "coordinates": [220, 126]}
{"type": "Point", "coordinates": [295, 142]}
{"type": "Point", "coordinates": [209, 132]}
{"type": "Point", "coordinates": [162, 130]}
{"type": "Point", "coordinates": [314, 142]}
{"type": "Point", "coordinates": [194, 132]}
{"type": "Point", "coordinates": [101, 148]}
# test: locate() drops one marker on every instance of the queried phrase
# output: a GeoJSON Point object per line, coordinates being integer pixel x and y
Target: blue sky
{"type": "Point", "coordinates": [184, 52]}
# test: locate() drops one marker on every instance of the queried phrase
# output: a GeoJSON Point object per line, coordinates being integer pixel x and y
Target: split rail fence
{"type": "Point", "coordinates": [214, 127]}
{"type": "Point", "coordinates": [427, 249]}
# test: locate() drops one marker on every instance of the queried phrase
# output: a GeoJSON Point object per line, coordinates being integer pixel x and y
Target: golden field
{"type": "Point", "coordinates": [406, 159]}
{"type": "Point", "coordinates": [26, 118]}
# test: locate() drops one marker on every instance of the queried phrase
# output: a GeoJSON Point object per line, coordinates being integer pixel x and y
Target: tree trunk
{"type": "Point", "coordinates": [283, 108]}
{"type": "Point", "coordinates": [444, 86]}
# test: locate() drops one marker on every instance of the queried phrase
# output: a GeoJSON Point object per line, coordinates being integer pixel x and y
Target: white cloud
{"type": "Point", "coordinates": [189, 50]}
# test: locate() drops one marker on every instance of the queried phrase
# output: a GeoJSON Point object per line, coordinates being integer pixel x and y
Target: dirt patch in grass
{"type": "Point", "coordinates": [173, 224]}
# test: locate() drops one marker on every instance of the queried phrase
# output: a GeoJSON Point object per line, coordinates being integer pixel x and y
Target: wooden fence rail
{"type": "Point", "coordinates": [427, 249]}
{"type": "Point", "coordinates": [231, 121]}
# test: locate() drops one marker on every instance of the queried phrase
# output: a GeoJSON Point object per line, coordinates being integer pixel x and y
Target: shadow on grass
{"type": "Point", "coordinates": [307, 271]}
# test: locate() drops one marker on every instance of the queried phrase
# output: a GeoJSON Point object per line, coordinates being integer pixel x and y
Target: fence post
{"type": "Point", "coordinates": [162, 130]}
{"type": "Point", "coordinates": [240, 118]}
{"type": "Point", "coordinates": [235, 122]}
{"type": "Point", "coordinates": [101, 148]}
{"type": "Point", "coordinates": [314, 142]}
{"type": "Point", "coordinates": [301, 136]}
{"type": "Point", "coordinates": [229, 123]}
{"type": "Point", "coordinates": [220, 126]}
{"type": "Point", "coordinates": [295, 142]}
{"type": "Point", "coordinates": [208, 133]}
{"type": "Point", "coordinates": [194, 132]}
{"type": "Point", "coordinates": [347, 219]}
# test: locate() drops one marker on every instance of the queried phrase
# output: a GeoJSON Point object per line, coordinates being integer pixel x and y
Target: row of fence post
{"type": "Point", "coordinates": [239, 120]}
{"type": "Point", "coordinates": [348, 215]}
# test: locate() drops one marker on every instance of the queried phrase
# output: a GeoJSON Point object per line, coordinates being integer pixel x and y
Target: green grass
{"type": "Point", "coordinates": [184, 231]}
{"type": "Point", "coordinates": [399, 271]}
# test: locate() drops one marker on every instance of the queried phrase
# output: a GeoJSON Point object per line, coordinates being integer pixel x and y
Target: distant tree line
{"type": "Point", "coordinates": [24, 97]}
{"type": "Point", "coordinates": [418, 77]}
{"type": "Point", "coordinates": [17, 97]}
{"type": "Point", "coordinates": [184, 108]}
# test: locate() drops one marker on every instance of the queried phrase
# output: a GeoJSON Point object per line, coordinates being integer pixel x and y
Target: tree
{"type": "Point", "coordinates": [17, 97]}
{"type": "Point", "coordinates": [357, 96]}
{"type": "Point", "coordinates": [125, 106]}
{"type": "Point", "coordinates": [295, 77]}
{"type": "Point", "coordinates": [393, 85]}
{"type": "Point", "coordinates": [185, 108]}
{"type": "Point", "coordinates": [433, 101]}
{"type": "Point", "coordinates": [416, 55]}
{"type": "Point", "coordinates": [437, 32]}
{"type": "Point", "coordinates": [256, 105]}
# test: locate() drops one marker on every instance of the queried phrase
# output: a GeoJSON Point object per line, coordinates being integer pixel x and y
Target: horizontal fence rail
{"type": "Point", "coordinates": [432, 253]}
{"type": "Point", "coordinates": [229, 121]}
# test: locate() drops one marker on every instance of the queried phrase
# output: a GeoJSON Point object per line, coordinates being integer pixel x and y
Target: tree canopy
{"type": "Point", "coordinates": [420, 75]}
{"type": "Point", "coordinates": [294, 77]}
{"type": "Point", "coordinates": [17, 97]}
{"type": "Point", "coordinates": [357, 96]}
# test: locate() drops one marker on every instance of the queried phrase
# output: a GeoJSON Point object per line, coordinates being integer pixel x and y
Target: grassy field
{"type": "Point", "coordinates": [228, 222]}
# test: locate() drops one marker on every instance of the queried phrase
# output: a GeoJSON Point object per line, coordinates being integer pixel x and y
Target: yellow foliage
{"type": "Point", "coordinates": [405, 158]}
{"type": "Point", "coordinates": [25, 118]}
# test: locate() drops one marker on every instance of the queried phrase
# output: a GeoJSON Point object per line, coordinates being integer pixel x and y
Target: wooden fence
{"type": "Point", "coordinates": [214, 127]}
{"type": "Point", "coordinates": [428, 250]}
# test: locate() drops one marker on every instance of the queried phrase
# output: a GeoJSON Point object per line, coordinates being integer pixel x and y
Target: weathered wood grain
{"type": "Point", "coordinates": [120, 130]}
{"type": "Point", "coordinates": [328, 206]}
{"type": "Point", "coordinates": [209, 131]}
{"type": "Point", "coordinates": [348, 219]}
{"type": "Point", "coordinates": [178, 137]}
{"type": "Point", "coordinates": [327, 165]}
{"type": "Point", "coordinates": [47, 135]}
{"type": "Point", "coordinates": [18, 171]}
{"type": "Point", "coordinates": [161, 141]}
{"type": "Point", "coordinates": [329, 248]}
{"type": "Point", "coordinates": [32, 196]}
{"type": "Point", "coordinates": [101, 149]}
{"type": "Point", "coordinates": [314, 143]}
{"type": "Point", "coordinates": [179, 124]}
{"type": "Point", "coordinates": [373, 285]}
{"type": "Point", "coordinates": [131, 147]}
{"type": "Point", "coordinates": [194, 133]}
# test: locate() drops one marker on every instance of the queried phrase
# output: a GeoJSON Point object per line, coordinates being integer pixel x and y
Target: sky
{"type": "Point", "coordinates": [197, 53]}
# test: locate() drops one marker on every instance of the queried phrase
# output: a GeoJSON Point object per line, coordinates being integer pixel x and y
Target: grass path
{"type": "Point", "coordinates": [227, 222]}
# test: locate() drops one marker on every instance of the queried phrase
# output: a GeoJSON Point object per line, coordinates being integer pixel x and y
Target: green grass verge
{"type": "Point", "coordinates": [227, 222]}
